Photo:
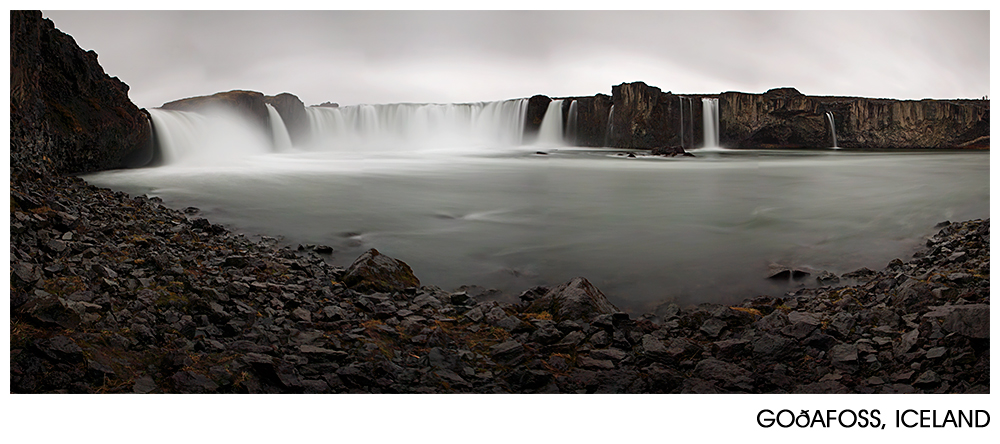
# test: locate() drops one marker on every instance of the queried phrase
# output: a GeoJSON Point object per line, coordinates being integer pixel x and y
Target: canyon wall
{"type": "Point", "coordinates": [786, 118]}
{"type": "Point", "coordinates": [66, 114]}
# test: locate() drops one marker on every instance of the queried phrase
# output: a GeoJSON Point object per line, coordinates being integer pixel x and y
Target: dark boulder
{"type": "Point", "coordinates": [576, 299]}
{"type": "Point", "coordinates": [376, 272]}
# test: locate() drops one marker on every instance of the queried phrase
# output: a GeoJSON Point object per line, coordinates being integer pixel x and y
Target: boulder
{"type": "Point", "coordinates": [576, 299]}
{"type": "Point", "coordinates": [376, 272]}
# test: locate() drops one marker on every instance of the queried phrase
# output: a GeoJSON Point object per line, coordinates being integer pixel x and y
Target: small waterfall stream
{"type": "Point", "coordinates": [572, 128]}
{"type": "Point", "coordinates": [833, 128]}
{"type": "Point", "coordinates": [710, 121]}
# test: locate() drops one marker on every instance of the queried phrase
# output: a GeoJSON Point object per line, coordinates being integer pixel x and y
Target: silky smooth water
{"type": "Point", "coordinates": [643, 230]}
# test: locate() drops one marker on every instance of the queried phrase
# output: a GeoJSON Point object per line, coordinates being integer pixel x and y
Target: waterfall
{"type": "Point", "coordinates": [710, 121]}
{"type": "Point", "coordinates": [282, 141]}
{"type": "Point", "coordinates": [611, 126]}
{"type": "Point", "coordinates": [407, 125]}
{"type": "Point", "coordinates": [551, 131]}
{"type": "Point", "coordinates": [833, 128]}
{"type": "Point", "coordinates": [681, 101]}
{"type": "Point", "coordinates": [690, 119]}
{"type": "Point", "coordinates": [572, 129]}
{"type": "Point", "coordinates": [214, 138]}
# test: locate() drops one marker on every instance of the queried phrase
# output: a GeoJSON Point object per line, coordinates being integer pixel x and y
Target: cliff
{"type": "Point", "coordinates": [644, 117]}
{"type": "Point", "coordinates": [785, 118]}
{"type": "Point", "coordinates": [66, 114]}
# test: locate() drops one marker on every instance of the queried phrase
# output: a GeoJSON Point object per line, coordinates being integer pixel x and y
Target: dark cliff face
{"type": "Point", "coordinates": [591, 125]}
{"type": "Point", "coordinates": [66, 114]}
{"type": "Point", "coordinates": [787, 119]}
{"type": "Point", "coordinates": [640, 117]}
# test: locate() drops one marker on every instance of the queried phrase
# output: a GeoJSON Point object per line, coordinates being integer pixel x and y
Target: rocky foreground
{"type": "Point", "coordinates": [112, 293]}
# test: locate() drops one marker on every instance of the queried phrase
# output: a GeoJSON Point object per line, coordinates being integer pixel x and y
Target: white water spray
{"type": "Point", "coordinates": [833, 128]}
{"type": "Point", "coordinates": [407, 125]}
{"type": "Point", "coordinates": [710, 121]}
{"type": "Point", "coordinates": [551, 131]}
{"type": "Point", "coordinates": [217, 137]}
{"type": "Point", "coordinates": [279, 133]}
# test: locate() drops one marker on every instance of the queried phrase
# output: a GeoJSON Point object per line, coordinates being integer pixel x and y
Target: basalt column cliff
{"type": "Point", "coordinates": [66, 114]}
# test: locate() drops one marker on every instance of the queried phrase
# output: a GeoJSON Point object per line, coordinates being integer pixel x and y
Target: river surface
{"type": "Point", "coordinates": [644, 230]}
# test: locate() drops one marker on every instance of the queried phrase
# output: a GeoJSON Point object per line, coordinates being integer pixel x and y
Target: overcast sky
{"type": "Point", "coordinates": [353, 57]}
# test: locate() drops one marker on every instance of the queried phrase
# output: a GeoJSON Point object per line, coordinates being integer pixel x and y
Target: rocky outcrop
{"type": "Point", "coordinates": [249, 104]}
{"type": "Point", "coordinates": [66, 114]}
{"type": "Point", "coordinates": [640, 117]}
{"type": "Point", "coordinates": [252, 106]}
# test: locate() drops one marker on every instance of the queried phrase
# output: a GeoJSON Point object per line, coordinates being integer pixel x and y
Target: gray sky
{"type": "Point", "coordinates": [353, 57]}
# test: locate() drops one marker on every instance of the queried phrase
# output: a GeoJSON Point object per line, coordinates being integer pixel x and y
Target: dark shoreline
{"type": "Point", "coordinates": [112, 293]}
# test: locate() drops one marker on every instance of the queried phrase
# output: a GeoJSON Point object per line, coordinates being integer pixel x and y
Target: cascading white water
{"type": "Point", "coordinates": [279, 133]}
{"type": "Point", "coordinates": [680, 100]}
{"type": "Point", "coordinates": [407, 125]}
{"type": "Point", "coordinates": [710, 121]}
{"type": "Point", "coordinates": [551, 131]}
{"type": "Point", "coordinates": [214, 138]}
{"type": "Point", "coordinates": [571, 124]}
{"type": "Point", "coordinates": [833, 128]}
{"type": "Point", "coordinates": [611, 126]}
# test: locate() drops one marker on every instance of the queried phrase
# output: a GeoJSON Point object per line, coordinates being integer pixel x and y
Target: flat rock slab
{"type": "Point", "coordinates": [971, 320]}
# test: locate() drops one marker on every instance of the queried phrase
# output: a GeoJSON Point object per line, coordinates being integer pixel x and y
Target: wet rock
{"type": "Point", "coordinates": [576, 299]}
{"type": "Point", "coordinates": [376, 272]}
{"type": "Point", "coordinates": [780, 272]}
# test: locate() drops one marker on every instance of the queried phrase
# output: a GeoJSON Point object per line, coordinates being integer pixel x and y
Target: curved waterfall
{"type": "Point", "coordinates": [551, 131]}
{"type": "Point", "coordinates": [279, 133]}
{"type": "Point", "coordinates": [216, 138]}
{"type": "Point", "coordinates": [212, 137]}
